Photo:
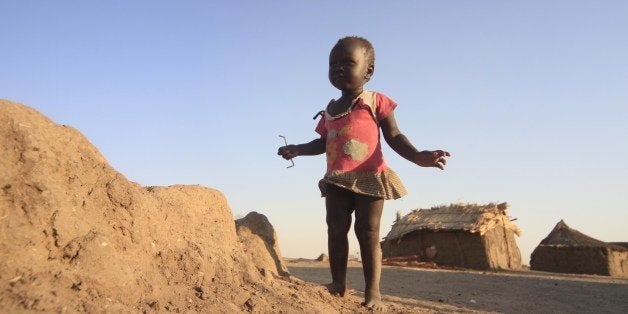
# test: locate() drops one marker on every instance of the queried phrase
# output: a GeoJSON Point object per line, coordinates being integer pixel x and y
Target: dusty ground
{"type": "Point", "coordinates": [509, 292]}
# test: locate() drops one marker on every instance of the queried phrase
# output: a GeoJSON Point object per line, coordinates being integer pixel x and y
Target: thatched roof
{"type": "Point", "coordinates": [462, 217]}
{"type": "Point", "coordinates": [563, 235]}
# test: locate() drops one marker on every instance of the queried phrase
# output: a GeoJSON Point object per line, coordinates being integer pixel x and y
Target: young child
{"type": "Point", "coordinates": [357, 178]}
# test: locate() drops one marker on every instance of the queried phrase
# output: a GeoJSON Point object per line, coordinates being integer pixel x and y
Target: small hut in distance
{"type": "Point", "coordinates": [459, 235]}
{"type": "Point", "coordinates": [566, 250]}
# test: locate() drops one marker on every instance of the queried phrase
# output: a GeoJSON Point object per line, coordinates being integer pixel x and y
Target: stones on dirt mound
{"type": "Point", "coordinates": [249, 305]}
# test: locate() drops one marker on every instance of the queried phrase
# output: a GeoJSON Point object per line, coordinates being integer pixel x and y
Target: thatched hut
{"type": "Point", "coordinates": [458, 235]}
{"type": "Point", "coordinates": [566, 250]}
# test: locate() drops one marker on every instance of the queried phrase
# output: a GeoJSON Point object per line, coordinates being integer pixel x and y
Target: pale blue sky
{"type": "Point", "coordinates": [531, 98]}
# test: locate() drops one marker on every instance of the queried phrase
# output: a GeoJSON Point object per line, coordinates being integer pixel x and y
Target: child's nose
{"type": "Point", "coordinates": [338, 68]}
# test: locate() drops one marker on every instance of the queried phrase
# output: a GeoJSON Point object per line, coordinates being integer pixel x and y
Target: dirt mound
{"type": "Point", "coordinates": [76, 235]}
{"type": "Point", "coordinates": [74, 230]}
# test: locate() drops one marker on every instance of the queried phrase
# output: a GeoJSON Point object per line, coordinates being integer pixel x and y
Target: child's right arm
{"type": "Point", "coordinates": [315, 147]}
{"type": "Point", "coordinates": [400, 144]}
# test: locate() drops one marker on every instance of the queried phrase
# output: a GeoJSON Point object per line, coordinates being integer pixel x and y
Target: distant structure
{"type": "Point", "coordinates": [459, 235]}
{"type": "Point", "coordinates": [323, 258]}
{"type": "Point", "coordinates": [566, 250]}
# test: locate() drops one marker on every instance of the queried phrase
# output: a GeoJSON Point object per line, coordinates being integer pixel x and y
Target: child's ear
{"type": "Point", "coordinates": [369, 72]}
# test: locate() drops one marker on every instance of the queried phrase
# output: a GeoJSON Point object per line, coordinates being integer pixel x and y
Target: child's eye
{"type": "Point", "coordinates": [343, 63]}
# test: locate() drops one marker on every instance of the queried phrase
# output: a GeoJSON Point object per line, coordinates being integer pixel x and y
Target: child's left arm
{"type": "Point", "coordinates": [402, 146]}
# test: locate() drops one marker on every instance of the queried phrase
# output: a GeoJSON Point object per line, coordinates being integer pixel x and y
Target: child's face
{"type": "Point", "coordinates": [348, 67]}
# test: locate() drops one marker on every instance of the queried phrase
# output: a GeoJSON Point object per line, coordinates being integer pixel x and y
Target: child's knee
{"type": "Point", "coordinates": [336, 231]}
{"type": "Point", "coordinates": [367, 233]}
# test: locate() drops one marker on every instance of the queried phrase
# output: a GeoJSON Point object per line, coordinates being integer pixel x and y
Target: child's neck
{"type": "Point", "coordinates": [352, 94]}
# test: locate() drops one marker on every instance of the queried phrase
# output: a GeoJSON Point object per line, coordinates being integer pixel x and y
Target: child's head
{"type": "Point", "coordinates": [351, 63]}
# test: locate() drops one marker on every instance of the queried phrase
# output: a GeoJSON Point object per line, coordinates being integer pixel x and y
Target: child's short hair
{"type": "Point", "coordinates": [370, 51]}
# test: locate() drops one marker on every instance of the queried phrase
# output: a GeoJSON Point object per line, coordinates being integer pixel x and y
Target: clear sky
{"type": "Point", "coordinates": [530, 97]}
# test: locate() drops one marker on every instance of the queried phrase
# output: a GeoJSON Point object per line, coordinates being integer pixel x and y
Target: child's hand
{"type": "Point", "coordinates": [428, 158]}
{"type": "Point", "coordinates": [288, 152]}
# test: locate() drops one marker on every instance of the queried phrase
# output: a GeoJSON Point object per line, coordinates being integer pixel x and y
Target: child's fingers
{"type": "Point", "coordinates": [442, 160]}
{"type": "Point", "coordinates": [440, 163]}
{"type": "Point", "coordinates": [287, 152]}
{"type": "Point", "coordinates": [283, 152]}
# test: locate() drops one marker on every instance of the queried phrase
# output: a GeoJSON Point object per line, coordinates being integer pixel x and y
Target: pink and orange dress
{"type": "Point", "coordinates": [354, 152]}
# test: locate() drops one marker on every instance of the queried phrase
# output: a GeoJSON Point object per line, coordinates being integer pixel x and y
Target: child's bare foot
{"type": "Point", "coordinates": [373, 300]}
{"type": "Point", "coordinates": [337, 289]}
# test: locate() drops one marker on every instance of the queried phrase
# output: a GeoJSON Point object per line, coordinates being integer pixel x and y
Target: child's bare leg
{"type": "Point", "coordinates": [368, 214]}
{"type": "Point", "coordinates": [339, 204]}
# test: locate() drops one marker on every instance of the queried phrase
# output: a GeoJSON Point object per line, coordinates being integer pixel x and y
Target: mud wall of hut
{"type": "Point", "coordinates": [618, 263]}
{"type": "Point", "coordinates": [566, 259]}
{"type": "Point", "coordinates": [501, 248]}
{"type": "Point", "coordinates": [447, 248]}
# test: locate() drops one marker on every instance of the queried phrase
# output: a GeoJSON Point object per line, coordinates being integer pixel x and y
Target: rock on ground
{"type": "Point", "coordinates": [260, 243]}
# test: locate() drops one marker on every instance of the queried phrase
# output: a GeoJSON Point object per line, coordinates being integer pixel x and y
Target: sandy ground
{"type": "Point", "coordinates": [507, 292]}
